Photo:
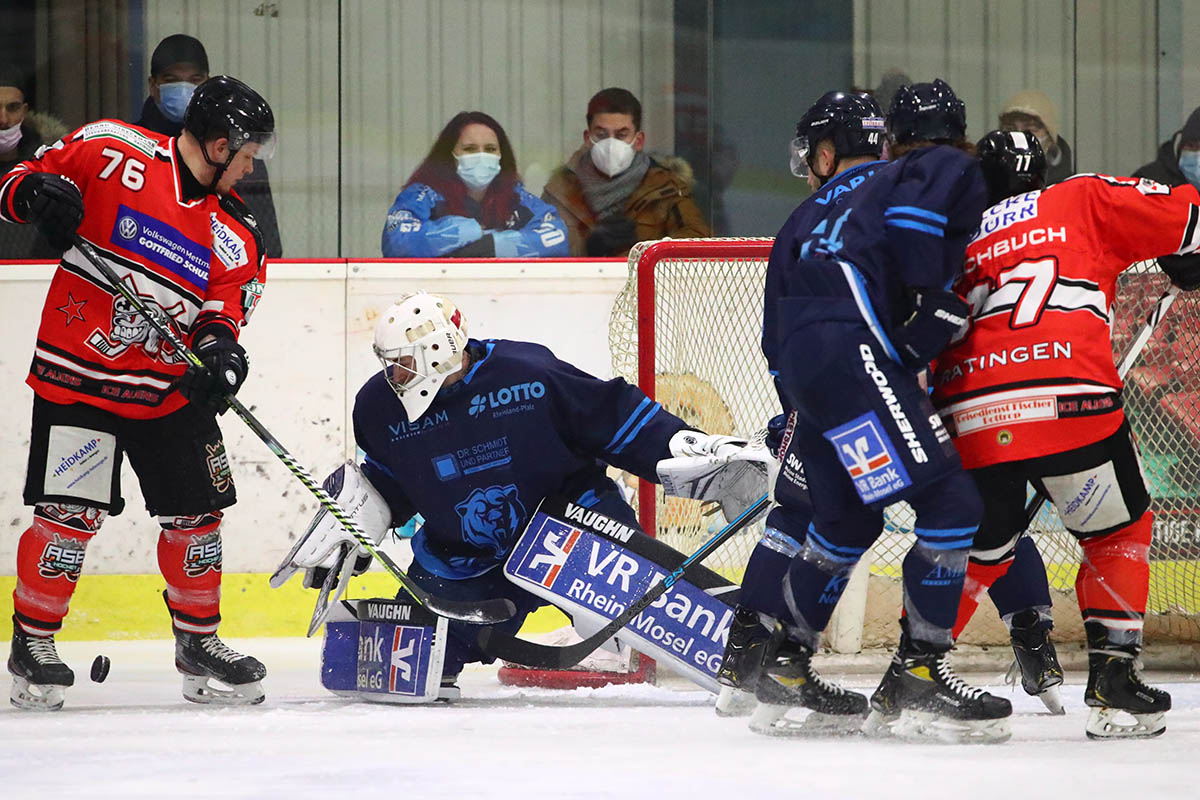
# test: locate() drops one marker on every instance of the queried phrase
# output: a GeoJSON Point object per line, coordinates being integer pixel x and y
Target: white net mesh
{"type": "Point", "coordinates": [695, 336]}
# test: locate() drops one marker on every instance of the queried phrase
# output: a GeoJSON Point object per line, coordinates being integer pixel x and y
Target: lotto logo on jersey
{"type": "Point", "coordinates": [543, 562]}
{"type": "Point", "coordinates": [869, 458]}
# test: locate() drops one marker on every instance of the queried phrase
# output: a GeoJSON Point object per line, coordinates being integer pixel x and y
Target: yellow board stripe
{"type": "Point", "coordinates": [131, 606]}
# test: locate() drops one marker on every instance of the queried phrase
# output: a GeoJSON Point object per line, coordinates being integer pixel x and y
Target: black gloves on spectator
{"type": "Point", "coordinates": [53, 204]}
{"type": "Point", "coordinates": [224, 371]}
{"type": "Point", "coordinates": [1184, 271]}
{"type": "Point", "coordinates": [612, 236]}
{"type": "Point", "coordinates": [936, 317]}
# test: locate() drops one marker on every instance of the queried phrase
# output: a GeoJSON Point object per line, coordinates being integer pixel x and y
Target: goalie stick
{"type": "Point", "coordinates": [1034, 507]}
{"type": "Point", "coordinates": [531, 654]}
{"type": "Point", "coordinates": [478, 612]}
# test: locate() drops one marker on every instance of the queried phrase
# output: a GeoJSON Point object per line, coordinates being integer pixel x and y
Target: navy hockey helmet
{"type": "Point", "coordinates": [926, 111]}
{"type": "Point", "coordinates": [225, 107]}
{"type": "Point", "coordinates": [853, 121]}
{"type": "Point", "coordinates": [1013, 163]}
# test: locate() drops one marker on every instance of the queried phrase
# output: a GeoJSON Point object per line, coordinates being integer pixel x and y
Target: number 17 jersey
{"type": "Point", "coordinates": [1034, 373]}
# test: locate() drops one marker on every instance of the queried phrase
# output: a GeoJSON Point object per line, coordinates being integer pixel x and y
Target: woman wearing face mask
{"type": "Point", "coordinates": [1178, 159]}
{"type": "Point", "coordinates": [466, 200]}
{"type": "Point", "coordinates": [22, 132]}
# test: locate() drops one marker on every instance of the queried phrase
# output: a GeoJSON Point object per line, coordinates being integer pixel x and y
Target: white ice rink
{"type": "Point", "coordinates": [134, 736]}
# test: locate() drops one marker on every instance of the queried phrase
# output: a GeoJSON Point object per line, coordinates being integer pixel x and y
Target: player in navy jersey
{"type": "Point", "coordinates": [473, 435]}
{"type": "Point", "coordinates": [858, 318]}
{"type": "Point", "coordinates": [837, 147]}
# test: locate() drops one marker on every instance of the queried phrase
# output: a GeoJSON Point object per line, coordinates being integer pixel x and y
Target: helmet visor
{"type": "Point", "coordinates": [798, 153]}
{"type": "Point", "coordinates": [264, 142]}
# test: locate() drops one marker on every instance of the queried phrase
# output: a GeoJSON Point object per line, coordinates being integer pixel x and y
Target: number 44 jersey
{"type": "Point", "coordinates": [1034, 373]}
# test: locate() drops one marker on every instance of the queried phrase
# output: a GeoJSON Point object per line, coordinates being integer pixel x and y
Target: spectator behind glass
{"type": "Point", "coordinates": [465, 200]}
{"type": "Point", "coordinates": [1031, 111]}
{"type": "Point", "coordinates": [22, 132]}
{"type": "Point", "coordinates": [178, 65]}
{"type": "Point", "coordinates": [611, 194]}
{"type": "Point", "coordinates": [1178, 159]}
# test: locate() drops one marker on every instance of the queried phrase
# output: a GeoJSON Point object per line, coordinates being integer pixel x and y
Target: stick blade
{"type": "Point", "coordinates": [531, 654]}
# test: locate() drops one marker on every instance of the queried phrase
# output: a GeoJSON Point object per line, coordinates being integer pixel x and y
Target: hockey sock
{"type": "Point", "coordinates": [1016, 581]}
{"type": "Point", "coordinates": [763, 581]}
{"type": "Point", "coordinates": [1114, 581]}
{"type": "Point", "coordinates": [189, 557]}
{"type": "Point", "coordinates": [814, 583]}
{"type": "Point", "coordinates": [49, 559]}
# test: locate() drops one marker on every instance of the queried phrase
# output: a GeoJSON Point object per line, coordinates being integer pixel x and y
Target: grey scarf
{"type": "Point", "coordinates": [604, 195]}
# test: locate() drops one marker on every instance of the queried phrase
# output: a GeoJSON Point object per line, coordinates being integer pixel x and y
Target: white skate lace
{"type": "Point", "coordinates": [42, 649]}
{"type": "Point", "coordinates": [955, 683]}
{"type": "Point", "coordinates": [820, 680]}
{"type": "Point", "coordinates": [218, 649]}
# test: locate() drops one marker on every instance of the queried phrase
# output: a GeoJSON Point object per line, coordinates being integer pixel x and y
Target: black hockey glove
{"type": "Point", "coordinates": [52, 204]}
{"type": "Point", "coordinates": [612, 236]}
{"type": "Point", "coordinates": [224, 371]}
{"type": "Point", "coordinates": [936, 317]}
{"type": "Point", "coordinates": [776, 427]}
{"type": "Point", "coordinates": [1184, 271]}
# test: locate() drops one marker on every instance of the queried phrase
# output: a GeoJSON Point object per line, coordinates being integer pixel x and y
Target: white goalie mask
{"type": "Point", "coordinates": [420, 341]}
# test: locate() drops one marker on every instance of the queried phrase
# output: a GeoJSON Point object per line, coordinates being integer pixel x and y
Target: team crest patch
{"type": "Point", "coordinates": [62, 557]}
{"type": "Point", "coordinates": [218, 466]}
{"type": "Point", "coordinates": [869, 457]}
{"type": "Point", "coordinates": [203, 555]}
{"type": "Point", "coordinates": [492, 517]}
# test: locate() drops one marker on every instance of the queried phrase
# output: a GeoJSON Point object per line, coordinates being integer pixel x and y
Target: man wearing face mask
{"type": "Point", "coordinates": [178, 65]}
{"type": "Point", "coordinates": [22, 132]}
{"type": "Point", "coordinates": [612, 195]}
{"type": "Point", "coordinates": [1178, 159]}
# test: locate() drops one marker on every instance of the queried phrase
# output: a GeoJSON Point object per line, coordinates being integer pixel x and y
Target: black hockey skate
{"type": "Point", "coordinates": [200, 657]}
{"type": "Point", "coordinates": [789, 681]}
{"type": "Point", "coordinates": [39, 676]}
{"type": "Point", "coordinates": [741, 665]}
{"type": "Point", "coordinates": [1115, 689]}
{"type": "Point", "coordinates": [885, 701]}
{"type": "Point", "coordinates": [1036, 662]}
{"type": "Point", "coordinates": [936, 704]}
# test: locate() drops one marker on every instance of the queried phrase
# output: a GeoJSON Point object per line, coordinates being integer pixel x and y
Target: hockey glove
{"type": "Point", "coordinates": [1184, 271]}
{"type": "Point", "coordinates": [937, 315]}
{"type": "Point", "coordinates": [224, 371]}
{"type": "Point", "coordinates": [776, 428]}
{"type": "Point", "coordinates": [612, 236]}
{"type": "Point", "coordinates": [53, 204]}
{"type": "Point", "coordinates": [697, 443]}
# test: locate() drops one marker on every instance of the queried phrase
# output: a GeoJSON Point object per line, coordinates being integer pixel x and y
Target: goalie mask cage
{"type": "Point", "coordinates": [686, 329]}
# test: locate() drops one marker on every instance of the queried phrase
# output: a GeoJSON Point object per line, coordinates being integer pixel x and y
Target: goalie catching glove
{"type": "Point", "coordinates": [327, 552]}
{"type": "Point", "coordinates": [724, 469]}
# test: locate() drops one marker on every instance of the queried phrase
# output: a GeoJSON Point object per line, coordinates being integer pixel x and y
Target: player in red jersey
{"type": "Point", "coordinates": [1030, 394]}
{"type": "Point", "coordinates": [163, 215]}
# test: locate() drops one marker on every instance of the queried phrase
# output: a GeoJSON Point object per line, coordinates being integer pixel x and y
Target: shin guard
{"type": "Point", "coordinates": [189, 557]}
{"type": "Point", "coordinates": [813, 585]}
{"type": "Point", "coordinates": [763, 580]}
{"type": "Point", "coordinates": [49, 559]}
{"type": "Point", "coordinates": [1114, 581]}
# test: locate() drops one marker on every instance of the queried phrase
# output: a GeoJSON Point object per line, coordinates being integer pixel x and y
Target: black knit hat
{"type": "Point", "coordinates": [1191, 128]}
{"type": "Point", "coordinates": [178, 48]}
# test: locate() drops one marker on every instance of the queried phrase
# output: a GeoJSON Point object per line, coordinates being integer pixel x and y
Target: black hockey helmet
{"type": "Point", "coordinates": [225, 107]}
{"type": "Point", "coordinates": [1013, 163]}
{"type": "Point", "coordinates": [926, 111]}
{"type": "Point", "coordinates": [852, 121]}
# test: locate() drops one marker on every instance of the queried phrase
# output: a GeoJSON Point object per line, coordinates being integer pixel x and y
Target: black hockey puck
{"type": "Point", "coordinates": [100, 668]}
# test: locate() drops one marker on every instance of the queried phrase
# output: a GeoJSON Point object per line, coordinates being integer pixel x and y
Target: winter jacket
{"type": "Point", "coordinates": [24, 241]}
{"type": "Point", "coordinates": [661, 206]}
{"type": "Point", "coordinates": [1165, 168]}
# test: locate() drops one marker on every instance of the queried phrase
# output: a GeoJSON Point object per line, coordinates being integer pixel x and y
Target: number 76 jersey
{"type": "Point", "coordinates": [1033, 374]}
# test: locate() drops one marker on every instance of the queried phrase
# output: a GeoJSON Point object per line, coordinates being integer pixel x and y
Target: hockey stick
{"type": "Point", "coordinates": [1034, 507]}
{"type": "Point", "coordinates": [479, 612]}
{"type": "Point", "coordinates": [520, 651]}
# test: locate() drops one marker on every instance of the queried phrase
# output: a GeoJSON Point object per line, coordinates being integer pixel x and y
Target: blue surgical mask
{"type": "Point", "coordinates": [477, 170]}
{"type": "Point", "coordinates": [173, 99]}
{"type": "Point", "coordinates": [1189, 165]}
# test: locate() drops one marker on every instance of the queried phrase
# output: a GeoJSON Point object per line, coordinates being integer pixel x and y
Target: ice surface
{"type": "Point", "coordinates": [134, 736]}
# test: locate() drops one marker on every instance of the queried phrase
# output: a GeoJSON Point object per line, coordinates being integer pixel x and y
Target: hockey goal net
{"type": "Point", "coordinates": [686, 329]}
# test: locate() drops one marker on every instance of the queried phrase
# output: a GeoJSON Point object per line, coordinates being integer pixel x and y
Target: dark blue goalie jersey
{"type": "Point", "coordinates": [520, 425]}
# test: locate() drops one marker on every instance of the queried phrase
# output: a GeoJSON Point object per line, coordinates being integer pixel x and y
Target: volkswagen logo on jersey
{"type": "Point", "coordinates": [127, 227]}
{"type": "Point", "coordinates": [868, 456]}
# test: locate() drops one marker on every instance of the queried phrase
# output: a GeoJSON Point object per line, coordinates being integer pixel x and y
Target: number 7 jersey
{"type": "Point", "coordinates": [1034, 372]}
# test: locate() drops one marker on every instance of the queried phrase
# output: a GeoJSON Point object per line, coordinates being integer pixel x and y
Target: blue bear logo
{"type": "Point", "coordinates": [492, 517]}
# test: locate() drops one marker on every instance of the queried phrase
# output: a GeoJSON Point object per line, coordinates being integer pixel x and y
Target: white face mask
{"type": "Point", "coordinates": [612, 156]}
{"type": "Point", "coordinates": [10, 138]}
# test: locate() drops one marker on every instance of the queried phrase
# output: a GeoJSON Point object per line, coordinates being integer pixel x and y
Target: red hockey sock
{"type": "Point", "coordinates": [1114, 579]}
{"type": "Point", "coordinates": [49, 559]}
{"type": "Point", "coordinates": [980, 578]}
{"type": "Point", "coordinates": [189, 557]}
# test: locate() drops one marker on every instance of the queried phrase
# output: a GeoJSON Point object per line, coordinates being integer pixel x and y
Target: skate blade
{"type": "Point", "coordinates": [926, 727]}
{"type": "Point", "coordinates": [36, 697]}
{"type": "Point", "coordinates": [773, 720]}
{"type": "Point", "coordinates": [449, 693]}
{"type": "Point", "coordinates": [878, 725]}
{"type": "Point", "coordinates": [733, 702]}
{"type": "Point", "coordinates": [1106, 723]}
{"type": "Point", "coordinates": [208, 691]}
{"type": "Point", "coordinates": [1051, 700]}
